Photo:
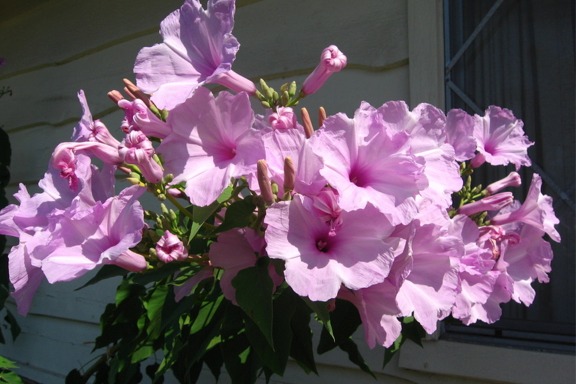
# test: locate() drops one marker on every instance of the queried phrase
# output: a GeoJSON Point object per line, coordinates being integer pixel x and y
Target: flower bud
{"type": "Point", "coordinates": [283, 118]}
{"type": "Point", "coordinates": [264, 182]}
{"type": "Point", "coordinates": [170, 248]}
{"type": "Point", "coordinates": [289, 175]}
{"type": "Point", "coordinates": [331, 61]}
{"type": "Point", "coordinates": [307, 123]}
{"type": "Point", "coordinates": [512, 180]}
{"type": "Point", "coordinates": [489, 203]}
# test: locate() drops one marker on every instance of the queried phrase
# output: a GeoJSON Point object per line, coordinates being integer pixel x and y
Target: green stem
{"type": "Point", "coordinates": [180, 207]}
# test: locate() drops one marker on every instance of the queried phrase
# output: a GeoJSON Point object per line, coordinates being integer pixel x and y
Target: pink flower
{"type": "Point", "coordinates": [283, 118]}
{"type": "Point", "coordinates": [426, 127]}
{"type": "Point", "coordinates": [89, 130]}
{"type": "Point", "coordinates": [379, 312]}
{"type": "Point", "coordinates": [428, 280]}
{"type": "Point", "coordinates": [198, 48]}
{"type": "Point", "coordinates": [170, 248]}
{"type": "Point", "coordinates": [83, 238]}
{"type": "Point", "coordinates": [137, 149]}
{"type": "Point", "coordinates": [477, 276]}
{"type": "Point", "coordinates": [537, 211]}
{"type": "Point", "coordinates": [139, 117]}
{"type": "Point", "coordinates": [459, 130]}
{"type": "Point", "coordinates": [500, 139]}
{"type": "Point", "coordinates": [527, 259]}
{"type": "Point", "coordinates": [212, 141]}
{"type": "Point", "coordinates": [34, 220]}
{"type": "Point", "coordinates": [331, 61]}
{"type": "Point", "coordinates": [365, 163]}
{"type": "Point", "coordinates": [320, 256]}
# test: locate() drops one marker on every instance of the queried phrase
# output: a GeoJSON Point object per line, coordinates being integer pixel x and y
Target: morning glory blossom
{"type": "Point", "coordinates": [366, 163]}
{"type": "Point", "coordinates": [198, 48]}
{"type": "Point", "coordinates": [212, 141]}
{"type": "Point", "coordinates": [500, 139]}
{"type": "Point", "coordinates": [321, 255]}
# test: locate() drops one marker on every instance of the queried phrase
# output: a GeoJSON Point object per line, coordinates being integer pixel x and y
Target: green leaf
{"type": "Point", "coordinates": [411, 330]}
{"type": "Point", "coordinates": [392, 350]}
{"type": "Point", "coordinates": [206, 314]}
{"type": "Point", "coordinates": [154, 307]}
{"type": "Point", "coordinates": [239, 360]}
{"type": "Point", "coordinates": [141, 353]}
{"type": "Point", "coordinates": [275, 357]}
{"type": "Point", "coordinates": [320, 308]}
{"type": "Point", "coordinates": [238, 214]}
{"type": "Point", "coordinates": [345, 320]}
{"type": "Point", "coordinates": [6, 372]}
{"type": "Point", "coordinates": [354, 355]}
{"type": "Point", "coordinates": [201, 214]}
{"type": "Point", "coordinates": [254, 295]}
{"type": "Point", "coordinates": [105, 272]}
{"type": "Point", "coordinates": [302, 350]}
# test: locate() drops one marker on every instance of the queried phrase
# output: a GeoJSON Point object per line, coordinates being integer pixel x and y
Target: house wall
{"type": "Point", "coordinates": [54, 48]}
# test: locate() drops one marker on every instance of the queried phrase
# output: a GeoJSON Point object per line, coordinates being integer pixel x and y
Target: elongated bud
{"type": "Point", "coordinates": [307, 123]}
{"type": "Point", "coordinates": [131, 261]}
{"type": "Point", "coordinates": [289, 175]}
{"type": "Point", "coordinates": [512, 180]}
{"type": "Point", "coordinates": [135, 92]}
{"type": "Point", "coordinates": [331, 61]}
{"type": "Point", "coordinates": [321, 116]}
{"type": "Point", "coordinates": [490, 203]}
{"type": "Point", "coordinates": [115, 96]}
{"type": "Point", "coordinates": [264, 182]}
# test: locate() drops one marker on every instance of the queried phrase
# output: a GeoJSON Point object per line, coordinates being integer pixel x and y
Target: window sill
{"type": "Point", "coordinates": [498, 364]}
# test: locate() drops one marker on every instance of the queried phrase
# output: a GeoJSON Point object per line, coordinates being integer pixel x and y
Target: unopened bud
{"type": "Point", "coordinates": [307, 123]}
{"type": "Point", "coordinates": [289, 175]}
{"type": "Point", "coordinates": [331, 61]}
{"type": "Point", "coordinates": [512, 180]}
{"type": "Point", "coordinates": [264, 182]}
{"type": "Point", "coordinates": [115, 96]}
{"type": "Point", "coordinates": [490, 203]}
{"type": "Point", "coordinates": [321, 116]}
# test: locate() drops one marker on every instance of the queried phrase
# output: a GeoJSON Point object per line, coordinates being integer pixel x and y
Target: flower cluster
{"type": "Point", "coordinates": [374, 212]}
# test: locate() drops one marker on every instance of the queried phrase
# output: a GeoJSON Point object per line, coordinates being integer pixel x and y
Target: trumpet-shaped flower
{"type": "Point", "coordinates": [378, 311]}
{"type": "Point", "coordinates": [83, 238]}
{"type": "Point", "coordinates": [212, 141]}
{"type": "Point", "coordinates": [537, 211]}
{"type": "Point", "coordinates": [500, 139]}
{"type": "Point", "coordinates": [366, 163]}
{"type": "Point", "coordinates": [426, 127]}
{"type": "Point", "coordinates": [33, 220]}
{"type": "Point", "coordinates": [459, 130]}
{"type": "Point", "coordinates": [198, 48]}
{"type": "Point", "coordinates": [321, 256]}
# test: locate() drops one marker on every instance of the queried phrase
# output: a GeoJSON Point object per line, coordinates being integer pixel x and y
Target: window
{"type": "Point", "coordinates": [519, 54]}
